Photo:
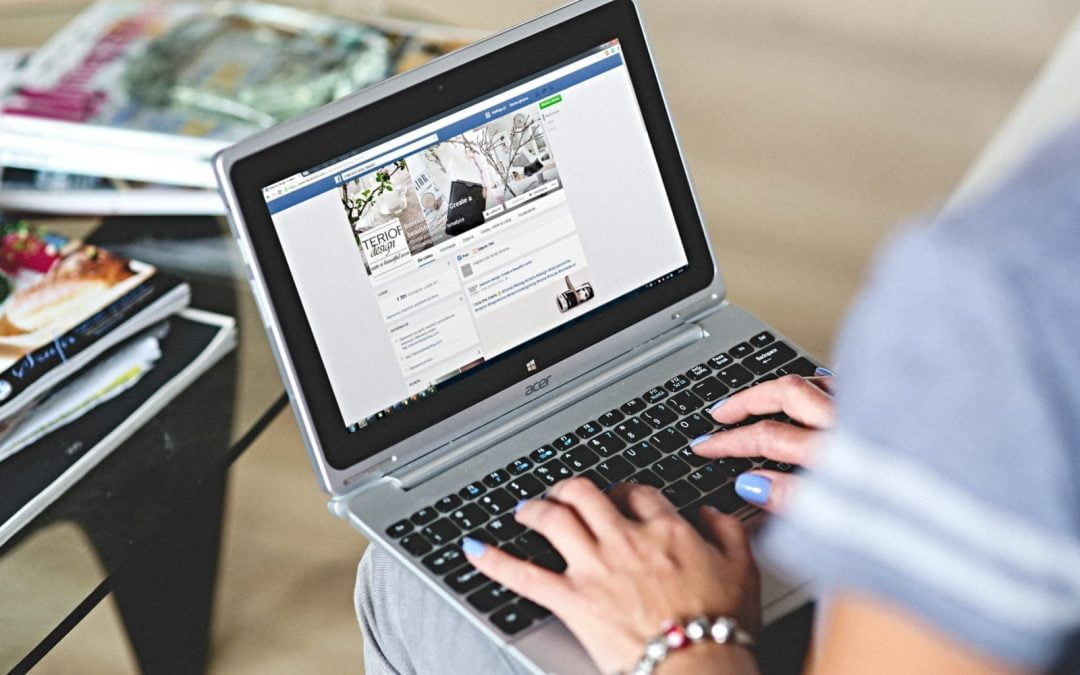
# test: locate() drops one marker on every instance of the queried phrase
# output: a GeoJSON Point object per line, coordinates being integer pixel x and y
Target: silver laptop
{"type": "Point", "coordinates": [487, 275]}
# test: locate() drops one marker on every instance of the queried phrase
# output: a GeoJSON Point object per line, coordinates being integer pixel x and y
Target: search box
{"type": "Point", "coordinates": [409, 149]}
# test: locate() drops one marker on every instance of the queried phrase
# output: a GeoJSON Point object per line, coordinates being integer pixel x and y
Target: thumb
{"type": "Point", "coordinates": [771, 490]}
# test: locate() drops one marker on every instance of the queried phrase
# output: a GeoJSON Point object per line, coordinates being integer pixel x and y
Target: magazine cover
{"type": "Point", "coordinates": [59, 298]}
{"type": "Point", "coordinates": [161, 83]}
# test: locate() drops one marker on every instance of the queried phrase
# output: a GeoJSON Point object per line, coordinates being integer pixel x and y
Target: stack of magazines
{"type": "Point", "coordinates": [121, 111]}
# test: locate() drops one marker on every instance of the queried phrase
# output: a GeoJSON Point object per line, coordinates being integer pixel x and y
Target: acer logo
{"type": "Point", "coordinates": [537, 386]}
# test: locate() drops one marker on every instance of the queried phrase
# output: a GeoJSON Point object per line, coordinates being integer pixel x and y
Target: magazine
{"type": "Point", "coordinates": [62, 303]}
{"type": "Point", "coordinates": [183, 349]}
{"type": "Point", "coordinates": [165, 86]}
{"type": "Point", "coordinates": [29, 190]}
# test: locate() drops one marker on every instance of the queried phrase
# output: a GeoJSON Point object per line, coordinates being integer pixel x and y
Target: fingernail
{"type": "Point", "coordinates": [753, 487]}
{"type": "Point", "coordinates": [473, 548]}
{"type": "Point", "coordinates": [716, 406]}
{"type": "Point", "coordinates": [700, 439]}
{"type": "Point", "coordinates": [823, 372]}
{"type": "Point", "coordinates": [517, 507]}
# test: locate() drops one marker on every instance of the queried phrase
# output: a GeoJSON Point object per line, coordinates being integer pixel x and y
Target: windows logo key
{"type": "Point", "coordinates": [531, 365]}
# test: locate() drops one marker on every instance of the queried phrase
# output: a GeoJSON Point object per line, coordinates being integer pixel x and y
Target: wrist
{"type": "Point", "coordinates": [708, 657]}
{"type": "Point", "coordinates": [679, 638]}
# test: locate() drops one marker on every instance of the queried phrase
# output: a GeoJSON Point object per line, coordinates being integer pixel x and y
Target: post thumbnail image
{"type": "Point", "coordinates": [449, 188]}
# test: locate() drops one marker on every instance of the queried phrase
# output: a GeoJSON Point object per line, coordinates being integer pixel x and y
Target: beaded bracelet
{"type": "Point", "coordinates": [675, 636]}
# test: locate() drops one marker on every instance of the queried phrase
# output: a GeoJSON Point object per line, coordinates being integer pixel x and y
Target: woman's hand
{"type": "Point", "coordinates": [632, 563]}
{"type": "Point", "coordinates": [807, 401]}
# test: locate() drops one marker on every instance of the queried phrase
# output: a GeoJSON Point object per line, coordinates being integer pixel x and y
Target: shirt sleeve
{"type": "Point", "coordinates": [949, 487]}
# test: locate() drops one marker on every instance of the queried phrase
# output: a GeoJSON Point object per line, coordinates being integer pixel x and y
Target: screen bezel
{"type": "Point", "coordinates": [412, 107]}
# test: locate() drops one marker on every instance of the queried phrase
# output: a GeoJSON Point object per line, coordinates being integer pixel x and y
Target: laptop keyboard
{"type": "Point", "coordinates": [644, 440]}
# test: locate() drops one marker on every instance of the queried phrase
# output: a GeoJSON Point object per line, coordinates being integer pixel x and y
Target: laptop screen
{"type": "Point", "coordinates": [426, 256]}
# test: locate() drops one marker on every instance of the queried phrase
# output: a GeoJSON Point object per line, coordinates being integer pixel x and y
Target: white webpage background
{"type": "Point", "coordinates": [617, 201]}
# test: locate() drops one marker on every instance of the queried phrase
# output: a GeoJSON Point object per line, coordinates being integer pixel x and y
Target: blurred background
{"type": "Point", "coordinates": [811, 129]}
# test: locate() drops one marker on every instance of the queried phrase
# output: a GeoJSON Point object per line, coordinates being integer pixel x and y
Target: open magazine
{"type": "Point", "coordinates": [162, 87]}
{"type": "Point", "coordinates": [63, 303]}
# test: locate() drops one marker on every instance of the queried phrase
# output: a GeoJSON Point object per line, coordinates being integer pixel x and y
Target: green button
{"type": "Point", "coordinates": [546, 103]}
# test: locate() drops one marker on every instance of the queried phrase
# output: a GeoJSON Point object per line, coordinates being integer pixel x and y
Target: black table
{"type": "Point", "coordinates": [152, 510]}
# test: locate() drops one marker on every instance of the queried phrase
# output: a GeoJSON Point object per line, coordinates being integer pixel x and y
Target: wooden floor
{"type": "Point", "coordinates": [811, 128]}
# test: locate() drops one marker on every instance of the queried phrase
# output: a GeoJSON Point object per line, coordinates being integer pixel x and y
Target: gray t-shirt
{"type": "Point", "coordinates": [950, 487]}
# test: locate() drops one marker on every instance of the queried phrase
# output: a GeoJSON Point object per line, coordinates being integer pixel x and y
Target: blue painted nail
{"type": "Point", "coordinates": [716, 406]}
{"type": "Point", "coordinates": [473, 547]}
{"type": "Point", "coordinates": [753, 487]}
{"type": "Point", "coordinates": [822, 372]}
{"type": "Point", "coordinates": [700, 439]}
{"type": "Point", "coordinates": [517, 507]}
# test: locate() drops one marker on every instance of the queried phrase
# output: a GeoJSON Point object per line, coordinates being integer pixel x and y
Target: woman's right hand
{"type": "Point", "coordinates": [807, 401]}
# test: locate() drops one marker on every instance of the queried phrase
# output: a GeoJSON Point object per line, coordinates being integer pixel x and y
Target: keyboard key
{"type": "Point", "coordinates": [579, 458]}
{"type": "Point", "coordinates": [677, 383]}
{"type": "Point", "coordinates": [469, 517]}
{"type": "Point", "coordinates": [596, 479]}
{"type": "Point", "coordinates": [767, 378]}
{"type": "Point", "coordinates": [694, 426]}
{"type": "Point", "coordinates": [533, 544]}
{"type": "Point", "coordinates": [769, 358]}
{"type": "Point", "coordinates": [512, 549]}
{"type": "Point", "coordinates": [481, 535]}
{"type": "Point", "coordinates": [534, 610]}
{"type": "Point", "coordinates": [800, 366]}
{"type": "Point", "coordinates": [777, 466]}
{"type": "Point", "coordinates": [505, 528]}
{"type": "Point", "coordinates": [709, 390]}
{"type": "Point", "coordinates": [668, 440]}
{"type": "Point", "coordinates": [698, 372]}
{"type": "Point", "coordinates": [588, 430]}
{"type": "Point", "coordinates": [741, 350]}
{"type": "Point", "coordinates": [646, 477]}
{"type": "Point", "coordinates": [720, 361]}
{"type": "Point", "coordinates": [611, 418]}
{"type": "Point", "coordinates": [553, 472]}
{"type": "Point", "coordinates": [415, 544]}
{"type": "Point", "coordinates": [688, 455]}
{"type": "Point", "coordinates": [707, 478]}
{"type": "Point", "coordinates": [671, 468]}
{"type": "Point", "coordinates": [607, 443]}
{"type": "Point", "coordinates": [491, 596]}
{"type": "Point", "coordinates": [654, 395]}
{"type": "Point", "coordinates": [465, 579]}
{"type": "Point", "coordinates": [496, 478]}
{"type": "Point", "coordinates": [424, 515]}
{"type": "Point", "coordinates": [643, 454]}
{"type": "Point", "coordinates": [680, 493]}
{"type": "Point", "coordinates": [684, 403]}
{"type": "Point", "coordinates": [733, 466]}
{"type": "Point", "coordinates": [441, 532]}
{"type": "Point", "coordinates": [511, 619]}
{"type": "Point", "coordinates": [448, 503]}
{"type": "Point", "coordinates": [761, 339]}
{"type": "Point", "coordinates": [615, 468]}
{"type": "Point", "coordinates": [399, 529]}
{"type": "Point", "coordinates": [551, 560]}
{"type": "Point", "coordinates": [444, 560]}
{"type": "Point", "coordinates": [498, 502]}
{"type": "Point", "coordinates": [565, 442]}
{"type": "Point", "coordinates": [633, 430]}
{"type": "Point", "coordinates": [633, 406]}
{"type": "Point", "coordinates": [525, 487]}
{"type": "Point", "coordinates": [542, 454]}
{"type": "Point", "coordinates": [519, 466]}
{"type": "Point", "coordinates": [472, 491]}
{"type": "Point", "coordinates": [659, 416]}
{"type": "Point", "coordinates": [734, 376]}
{"type": "Point", "coordinates": [726, 499]}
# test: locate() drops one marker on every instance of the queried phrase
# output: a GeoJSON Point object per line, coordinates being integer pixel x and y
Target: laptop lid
{"type": "Point", "coordinates": [443, 247]}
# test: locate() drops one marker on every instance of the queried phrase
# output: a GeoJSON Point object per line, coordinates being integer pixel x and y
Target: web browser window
{"type": "Point", "coordinates": [433, 252]}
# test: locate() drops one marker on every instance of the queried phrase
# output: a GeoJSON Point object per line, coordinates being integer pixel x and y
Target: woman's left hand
{"type": "Point", "coordinates": [632, 563]}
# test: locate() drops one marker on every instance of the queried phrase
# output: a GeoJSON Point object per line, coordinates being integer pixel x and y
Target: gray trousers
{"type": "Point", "coordinates": [409, 629]}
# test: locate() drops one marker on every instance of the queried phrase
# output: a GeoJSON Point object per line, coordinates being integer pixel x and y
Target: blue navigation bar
{"type": "Point", "coordinates": [454, 129]}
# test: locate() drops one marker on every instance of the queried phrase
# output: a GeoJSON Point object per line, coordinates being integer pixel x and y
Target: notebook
{"type": "Point", "coordinates": [490, 274]}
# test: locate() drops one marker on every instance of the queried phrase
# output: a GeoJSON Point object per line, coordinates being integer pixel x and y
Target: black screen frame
{"type": "Point", "coordinates": [412, 107]}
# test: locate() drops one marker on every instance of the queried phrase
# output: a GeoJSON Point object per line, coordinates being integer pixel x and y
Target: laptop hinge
{"type": "Point", "coordinates": [566, 395]}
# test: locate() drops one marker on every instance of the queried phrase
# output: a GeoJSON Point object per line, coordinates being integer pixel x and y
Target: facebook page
{"type": "Point", "coordinates": [439, 250]}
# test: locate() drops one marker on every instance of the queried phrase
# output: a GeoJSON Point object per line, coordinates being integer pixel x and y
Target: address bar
{"type": "Point", "coordinates": [409, 149]}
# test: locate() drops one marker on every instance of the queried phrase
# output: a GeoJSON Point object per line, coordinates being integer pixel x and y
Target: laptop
{"type": "Point", "coordinates": [489, 274]}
